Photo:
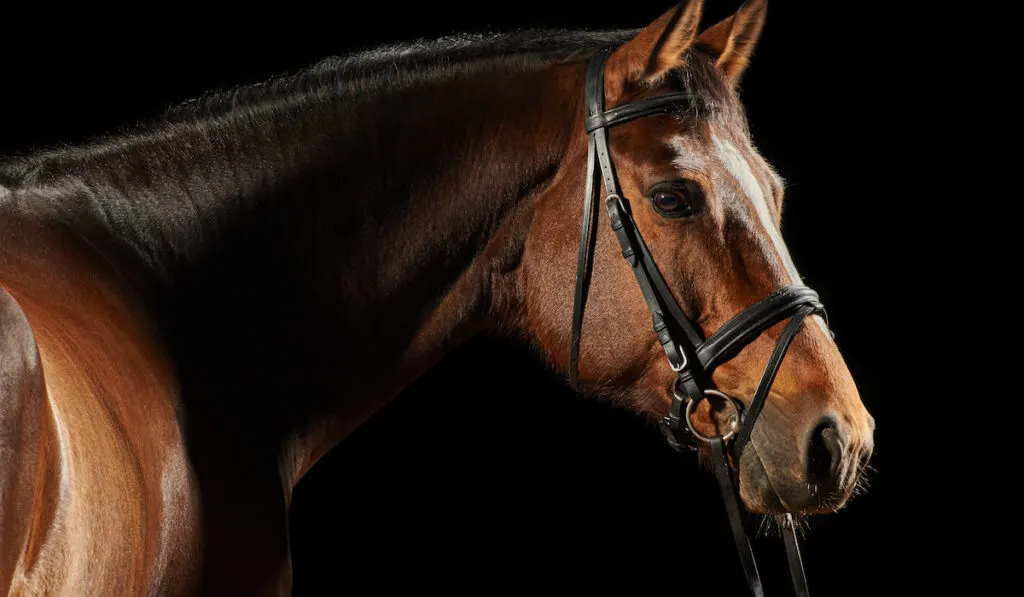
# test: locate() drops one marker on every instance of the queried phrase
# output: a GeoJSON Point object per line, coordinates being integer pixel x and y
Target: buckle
{"type": "Point", "coordinates": [678, 436]}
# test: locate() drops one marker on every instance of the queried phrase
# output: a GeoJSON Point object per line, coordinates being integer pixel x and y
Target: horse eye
{"type": "Point", "coordinates": [672, 203]}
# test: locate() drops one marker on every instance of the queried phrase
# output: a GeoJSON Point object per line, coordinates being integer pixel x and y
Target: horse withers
{"type": "Point", "coordinates": [195, 311]}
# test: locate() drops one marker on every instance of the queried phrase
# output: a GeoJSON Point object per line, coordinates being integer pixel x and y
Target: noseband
{"type": "Point", "coordinates": [690, 355]}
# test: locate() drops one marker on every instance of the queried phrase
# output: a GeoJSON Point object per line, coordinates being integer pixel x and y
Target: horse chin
{"type": "Point", "coordinates": [767, 490]}
{"type": "Point", "coordinates": [757, 489]}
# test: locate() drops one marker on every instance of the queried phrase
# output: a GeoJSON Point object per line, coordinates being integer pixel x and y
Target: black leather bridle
{"type": "Point", "coordinates": [690, 355]}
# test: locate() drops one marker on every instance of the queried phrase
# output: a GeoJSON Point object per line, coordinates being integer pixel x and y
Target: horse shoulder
{"type": "Point", "coordinates": [90, 416]}
{"type": "Point", "coordinates": [26, 463]}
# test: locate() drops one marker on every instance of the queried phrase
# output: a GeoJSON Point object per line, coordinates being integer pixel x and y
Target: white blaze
{"type": "Point", "coordinates": [739, 168]}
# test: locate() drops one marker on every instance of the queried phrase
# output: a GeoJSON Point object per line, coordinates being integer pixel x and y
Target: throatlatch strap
{"type": "Point", "coordinates": [583, 259]}
{"type": "Point", "coordinates": [732, 507]}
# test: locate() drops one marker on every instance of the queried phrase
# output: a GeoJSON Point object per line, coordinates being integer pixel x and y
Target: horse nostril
{"type": "Point", "coordinates": [825, 456]}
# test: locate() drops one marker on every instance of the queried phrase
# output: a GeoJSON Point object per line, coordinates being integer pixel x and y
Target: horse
{"type": "Point", "coordinates": [195, 310]}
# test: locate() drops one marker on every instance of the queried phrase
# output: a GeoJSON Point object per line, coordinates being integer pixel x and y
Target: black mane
{"type": "Point", "coordinates": [403, 65]}
{"type": "Point", "coordinates": [360, 76]}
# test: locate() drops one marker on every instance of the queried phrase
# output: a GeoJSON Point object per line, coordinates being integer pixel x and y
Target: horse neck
{"type": "Point", "coordinates": [438, 263]}
{"type": "Point", "coordinates": [306, 282]}
{"type": "Point", "coordinates": [423, 243]}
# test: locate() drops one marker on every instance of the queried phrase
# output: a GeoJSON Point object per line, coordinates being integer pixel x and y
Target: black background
{"type": "Point", "coordinates": [489, 473]}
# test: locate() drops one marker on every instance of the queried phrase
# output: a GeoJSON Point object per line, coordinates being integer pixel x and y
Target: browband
{"type": "Point", "coordinates": [656, 105]}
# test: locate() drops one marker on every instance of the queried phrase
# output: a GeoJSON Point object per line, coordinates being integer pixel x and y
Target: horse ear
{"type": "Point", "coordinates": [656, 49]}
{"type": "Point", "coordinates": [731, 42]}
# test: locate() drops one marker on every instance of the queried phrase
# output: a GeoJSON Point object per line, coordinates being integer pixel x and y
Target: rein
{"type": "Point", "coordinates": [692, 356]}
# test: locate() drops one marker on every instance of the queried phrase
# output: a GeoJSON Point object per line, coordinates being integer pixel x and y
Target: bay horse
{"type": "Point", "coordinates": [193, 312]}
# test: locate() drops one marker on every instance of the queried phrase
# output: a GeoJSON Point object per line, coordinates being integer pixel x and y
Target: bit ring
{"type": "Point", "coordinates": [734, 421]}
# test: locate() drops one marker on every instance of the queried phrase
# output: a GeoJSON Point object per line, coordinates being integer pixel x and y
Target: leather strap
{"type": "Point", "coordinates": [748, 324]}
{"type": "Point", "coordinates": [768, 378]}
{"type": "Point", "coordinates": [626, 232]}
{"type": "Point", "coordinates": [583, 269]}
{"type": "Point", "coordinates": [662, 104]}
{"type": "Point", "coordinates": [676, 431]}
{"type": "Point", "coordinates": [593, 88]}
{"type": "Point", "coordinates": [680, 319]}
{"type": "Point", "coordinates": [732, 507]}
{"type": "Point", "coordinates": [796, 564]}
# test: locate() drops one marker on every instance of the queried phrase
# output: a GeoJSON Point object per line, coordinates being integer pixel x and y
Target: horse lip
{"type": "Point", "coordinates": [776, 505]}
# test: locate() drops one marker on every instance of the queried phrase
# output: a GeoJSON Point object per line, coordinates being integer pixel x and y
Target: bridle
{"type": "Point", "coordinates": [690, 355]}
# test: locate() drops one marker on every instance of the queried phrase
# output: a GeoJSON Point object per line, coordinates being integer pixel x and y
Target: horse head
{"type": "Point", "coordinates": [708, 206]}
